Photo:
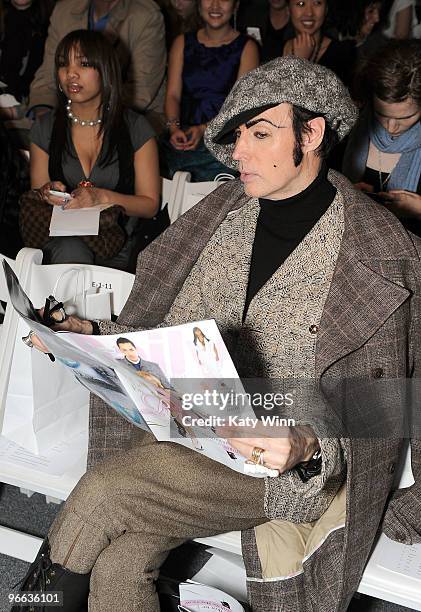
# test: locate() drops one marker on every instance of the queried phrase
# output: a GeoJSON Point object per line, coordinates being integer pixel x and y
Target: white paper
{"type": "Point", "coordinates": [202, 598]}
{"type": "Point", "coordinates": [7, 100]}
{"type": "Point", "coordinates": [225, 571]}
{"type": "Point", "coordinates": [400, 558]}
{"type": "Point", "coordinates": [58, 460]}
{"type": "Point", "coordinates": [74, 222]}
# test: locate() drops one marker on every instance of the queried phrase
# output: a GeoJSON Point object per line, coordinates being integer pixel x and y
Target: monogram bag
{"type": "Point", "coordinates": [35, 217]}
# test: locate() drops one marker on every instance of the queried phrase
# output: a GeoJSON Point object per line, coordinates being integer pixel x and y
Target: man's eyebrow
{"type": "Point", "coordinates": [252, 122]}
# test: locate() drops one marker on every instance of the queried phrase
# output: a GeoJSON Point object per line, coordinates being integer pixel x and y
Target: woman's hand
{"type": "Point", "coordinates": [303, 45]}
{"type": "Point", "coordinates": [44, 192]}
{"type": "Point", "coordinates": [178, 139]}
{"type": "Point", "coordinates": [194, 135]}
{"type": "Point", "coordinates": [403, 203]}
{"type": "Point", "coordinates": [284, 447]}
{"type": "Point", "coordinates": [87, 197]}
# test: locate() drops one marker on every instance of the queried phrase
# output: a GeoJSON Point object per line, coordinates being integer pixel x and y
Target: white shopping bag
{"type": "Point", "coordinates": [45, 404]}
{"type": "Point", "coordinates": [80, 300]}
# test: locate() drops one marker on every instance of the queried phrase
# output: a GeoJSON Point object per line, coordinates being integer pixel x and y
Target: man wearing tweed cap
{"type": "Point", "coordinates": [308, 280]}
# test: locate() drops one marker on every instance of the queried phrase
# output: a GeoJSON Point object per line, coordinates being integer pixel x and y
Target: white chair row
{"type": "Point", "coordinates": [180, 194]}
{"type": "Point", "coordinates": [38, 281]}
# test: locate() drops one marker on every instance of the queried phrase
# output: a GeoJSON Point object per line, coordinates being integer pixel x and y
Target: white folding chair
{"type": "Point", "coordinates": [172, 192]}
{"type": "Point", "coordinates": [38, 281]}
{"type": "Point", "coordinates": [189, 194]}
{"type": "Point", "coordinates": [377, 581]}
{"type": "Point", "coordinates": [4, 296]}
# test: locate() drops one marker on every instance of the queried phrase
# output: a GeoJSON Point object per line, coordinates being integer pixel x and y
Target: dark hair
{"type": "Point", "coordinates": [125, 341]}
{"type": "Point", "coordinates": [348, 17]}
{"type": "Point", "coordinates": [196, 329]}
{"type": "Point", "coordinates": [101, 56]}
{"type": "Point", "coordinates": [393, 73]}
{"type": "Point", "coordinates": [300, 119]}
{"type": "Point", "coordinates": [38, 14]}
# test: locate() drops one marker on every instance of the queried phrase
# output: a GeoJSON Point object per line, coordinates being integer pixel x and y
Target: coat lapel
{"type": "Point", "coordinates": [361, 296]}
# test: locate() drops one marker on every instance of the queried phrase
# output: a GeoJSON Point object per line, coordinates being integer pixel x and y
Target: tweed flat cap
{"type": "Point", "coordinates": [284, 79]}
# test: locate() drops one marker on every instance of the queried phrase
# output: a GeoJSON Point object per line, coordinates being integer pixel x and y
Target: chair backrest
{"type": "Point", "coordinates": [39, 281]}
{"type": "Point", "coordinates": [4, 294]}
{"type": "Point", "coordinates": [189, 194]}
{"type": "Point", "coordinates": [172, 193]}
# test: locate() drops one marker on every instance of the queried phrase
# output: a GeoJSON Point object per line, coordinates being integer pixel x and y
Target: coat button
{"type": "Point", "coordinates": [377, 373]}
{"type": "Point", "coordinates": [391, 468]}
{"type": "Point", "coordinates": [313, 329]}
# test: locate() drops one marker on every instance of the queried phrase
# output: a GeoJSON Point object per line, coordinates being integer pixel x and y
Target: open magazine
{"type": "Point", "coordinates": [177, 382]}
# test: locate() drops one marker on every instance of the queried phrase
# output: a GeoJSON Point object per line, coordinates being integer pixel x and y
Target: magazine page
{"type": "Point", "coordinates": [89, 369]}
{"type": "Point", "coordinates": [178, 382]}
{"type": "Point", "coordinates": [184, 392]}
{"type": "Point", "coordinates": [202, 598]}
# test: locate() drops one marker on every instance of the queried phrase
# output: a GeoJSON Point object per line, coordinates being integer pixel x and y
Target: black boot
{"type": "Point", "coordinates": [44, 576]}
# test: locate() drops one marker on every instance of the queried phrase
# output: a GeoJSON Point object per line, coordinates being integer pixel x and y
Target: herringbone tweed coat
{"type": "Point", "coordinates": [370, 328]}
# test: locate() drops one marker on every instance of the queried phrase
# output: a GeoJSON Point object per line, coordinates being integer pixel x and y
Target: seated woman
{"type": "Point", "coordinates": [308, 20]}
{"type": "Point", "coordinates": [94, 149]}
{"type": "Point", "coordinates": [23, 30]}
{"type": "Point", "coordinates": [358, 22]}
{"type": "Point", "coordinates": [180, 16]}
{"type": "Point", "coordinates": [383, 156]}
{"type": "Point", "coordinates": [269, 23]}
{"type": "Point", "coordinates": [203, 67]}
{"type": "Point", "coordinates": [402, 20]}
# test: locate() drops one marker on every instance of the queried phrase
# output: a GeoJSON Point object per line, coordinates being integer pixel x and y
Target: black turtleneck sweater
{"type": "Point", "coordinates": [281, 226]}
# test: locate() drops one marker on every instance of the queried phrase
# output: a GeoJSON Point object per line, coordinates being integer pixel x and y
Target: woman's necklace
{"type": "Point", "coordinates": [77, 120]}
{"type": "Point", "coordinates": [382, 182]}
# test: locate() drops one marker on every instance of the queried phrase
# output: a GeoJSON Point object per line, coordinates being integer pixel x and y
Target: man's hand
{"type": "Point", "coordinates": [403, 203]}
{"type": "Point", "coordinates": [284, 447]}
{"type": "Point", "coordinates": [71, 324]}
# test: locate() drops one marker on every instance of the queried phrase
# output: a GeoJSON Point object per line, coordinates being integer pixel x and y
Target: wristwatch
{"type": "Point", "coordinates": [95, 327]}
{"type": "Point", "coordinates": [312, 467]}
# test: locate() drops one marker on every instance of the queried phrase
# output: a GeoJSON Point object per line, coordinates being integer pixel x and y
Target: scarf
{"type": "Point", "coordinates": [406, 174]}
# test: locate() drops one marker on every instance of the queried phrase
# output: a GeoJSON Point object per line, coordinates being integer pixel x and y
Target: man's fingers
{"type": "Point", "coordinates": [39, 344]}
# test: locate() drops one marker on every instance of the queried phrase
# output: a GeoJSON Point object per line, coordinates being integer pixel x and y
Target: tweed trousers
{"type": "Point", "coordinates": [124, 517]}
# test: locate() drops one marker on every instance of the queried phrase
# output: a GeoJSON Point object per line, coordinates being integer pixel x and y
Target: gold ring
{"type": "Point", "coordinates": [256, 455]}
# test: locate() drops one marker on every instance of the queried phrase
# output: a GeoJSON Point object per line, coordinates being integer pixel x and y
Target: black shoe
{"type": "Point", "coordinates": [44, 576]}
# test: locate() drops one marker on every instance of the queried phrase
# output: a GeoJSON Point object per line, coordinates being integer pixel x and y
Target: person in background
{"type": "Point", "coordinates": [203, 66]}
{"type": "Point", "coordinates": [23, 30]}
{"type": "Point", "coordinates": [180, 16]}
{"type": "Point", "coordinates": [92, 146]}
{"type": "Point", "coordinates": [402, 20]}
{"type": "Point", "coordinates": [308, 19]}
{"type": "Point", "coordinates": [136, 30]}
{"type": "Point", "coordinates": [356, 21]}
{"type": "Point", "coordinates": [268, 24]}
{"type": "Point", "coordinates": [383, 155]}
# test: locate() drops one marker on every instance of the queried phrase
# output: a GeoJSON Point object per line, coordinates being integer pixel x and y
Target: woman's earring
{"type": "Point", "coordinates": [60, 88]}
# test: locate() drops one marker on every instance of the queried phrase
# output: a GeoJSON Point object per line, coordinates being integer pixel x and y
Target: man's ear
{"type": "Point", "coordinates": [313, 136]}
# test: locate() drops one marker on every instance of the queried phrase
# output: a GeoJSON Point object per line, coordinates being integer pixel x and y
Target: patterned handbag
{"type": "Point", "coordinates": [34, 223]}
